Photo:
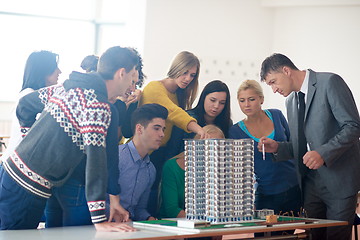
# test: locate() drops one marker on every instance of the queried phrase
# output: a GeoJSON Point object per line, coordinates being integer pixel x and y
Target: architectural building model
{"type": "Point", "coordinates": [219, 180]}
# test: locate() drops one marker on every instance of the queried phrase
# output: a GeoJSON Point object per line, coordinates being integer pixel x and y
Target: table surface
{"type": "Point", "coordinates": [89, 232]}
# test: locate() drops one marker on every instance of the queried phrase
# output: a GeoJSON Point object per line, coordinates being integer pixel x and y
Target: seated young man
{"type": "Point", "coordinates": [137, 172]}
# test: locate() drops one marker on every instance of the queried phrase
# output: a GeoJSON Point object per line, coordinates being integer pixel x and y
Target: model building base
{"type": "Point", "coordinates": [186, 223]}
{"type": "Point", "coordinates": [192, 223]}
{"type": "Point", "coordinates": [173, 225]}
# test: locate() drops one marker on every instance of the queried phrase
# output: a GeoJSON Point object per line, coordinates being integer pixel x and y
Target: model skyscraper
{"type": "Point", "coordinates": [219, 176]}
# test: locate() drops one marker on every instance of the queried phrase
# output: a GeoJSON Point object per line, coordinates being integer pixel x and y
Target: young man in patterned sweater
{"type": "Point", "coordinates": [73, 126]}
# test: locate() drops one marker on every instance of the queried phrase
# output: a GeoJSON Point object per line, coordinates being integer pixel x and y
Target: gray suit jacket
{"type": "Point", "coordinates": [332, 128]}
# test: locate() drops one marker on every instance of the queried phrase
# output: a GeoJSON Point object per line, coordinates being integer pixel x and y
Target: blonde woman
{"type": "Point", "coordinates": [173, 180]}
{"type": "Point", "coordinates": [277, 184]}
{"type": "Point", "coordinates": [176, 93]}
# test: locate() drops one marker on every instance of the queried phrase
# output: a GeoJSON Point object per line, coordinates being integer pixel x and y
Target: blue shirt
{"type": "Point", "coordinates": [137, 175]}
{"type": "Point", "coordinates": [271, 177]}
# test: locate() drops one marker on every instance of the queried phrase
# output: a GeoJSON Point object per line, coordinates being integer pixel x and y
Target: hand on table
{"type": "Point", "coordinates": [113, 227]}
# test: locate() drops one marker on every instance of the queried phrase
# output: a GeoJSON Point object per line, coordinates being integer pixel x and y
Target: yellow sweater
{"type": "Point", "coordinates": [155, 92]}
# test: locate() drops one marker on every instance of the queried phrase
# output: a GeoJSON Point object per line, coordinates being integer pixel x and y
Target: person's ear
{"type": "Point", "coordinates": [286, 70]}
{"type": "Point", "coordinates": [119, 74]}
{"type": "Point", "coordinates": [139, 128]}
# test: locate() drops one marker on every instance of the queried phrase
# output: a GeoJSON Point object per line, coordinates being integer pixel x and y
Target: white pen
{"type": "Point", "coordinates": [263, 151]}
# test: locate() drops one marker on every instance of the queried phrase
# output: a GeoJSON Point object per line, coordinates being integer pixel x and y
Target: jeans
{"type": "Point", "coordinates": [19, 209]}
{"type": "Point", "coordinates": [68, 206]}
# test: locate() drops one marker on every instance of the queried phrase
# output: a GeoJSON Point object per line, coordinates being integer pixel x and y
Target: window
{"type": "Point", "coordinates": [72, 29]}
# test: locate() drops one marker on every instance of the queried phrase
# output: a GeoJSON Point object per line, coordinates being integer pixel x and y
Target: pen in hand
{"type": "Point", "coordinates": [263, 151]}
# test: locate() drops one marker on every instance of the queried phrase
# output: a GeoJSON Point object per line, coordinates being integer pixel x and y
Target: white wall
{"type": "Point", "coordinates": [323, 38]}
{"type": "Point", "coordinates": [229, 37]}
{"type": "Point", "coordinates": [232, 37]}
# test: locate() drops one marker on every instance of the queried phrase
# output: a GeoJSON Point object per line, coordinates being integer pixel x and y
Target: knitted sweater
{"type": "Point", "coordinates": [72, 126]}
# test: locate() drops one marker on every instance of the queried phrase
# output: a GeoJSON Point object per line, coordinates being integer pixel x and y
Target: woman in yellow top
{"type": "Point", "coordinates": [177, 93]}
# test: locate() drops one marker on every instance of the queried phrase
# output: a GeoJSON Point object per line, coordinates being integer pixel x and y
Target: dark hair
{"type": "Point", "coordinates": [139, 67]}
{"type": "Point", "coordinates": [39, 66]}
{"type": "Point", "coordinates": [89, 63]}
{"type": "Point", "coordinates": [115, 58]}
{"type": "Point", "coordinates": [223, 121]}
{"type": "Point", "coordinates": [274, 63]}
{"type": "Point", "coordinates": [147, 112]}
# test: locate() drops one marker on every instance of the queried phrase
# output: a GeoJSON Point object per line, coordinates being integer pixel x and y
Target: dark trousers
{"type": "Point", "coordinates": [158, 159]}
{"type": "Point", "coordinates": [68, 206]}
{"type": "Point", "coordinates": [319, 202]}
{"type": "Point", "coordinates": [288, 201]}
{"type": "Point", "coordinates": [19, 209]}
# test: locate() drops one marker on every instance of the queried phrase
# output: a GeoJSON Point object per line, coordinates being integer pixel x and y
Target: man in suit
{"type": "Point", "coordinates": [328, 131]}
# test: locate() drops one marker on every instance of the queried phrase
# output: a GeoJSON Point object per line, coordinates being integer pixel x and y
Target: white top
{"type": "Point", "coordinates": [15, 134]}
{"type": "Point", "coordinates": [305, 84]}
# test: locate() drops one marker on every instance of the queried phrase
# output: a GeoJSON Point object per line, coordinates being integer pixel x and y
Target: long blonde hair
{"type": "Point", "coordinates": [182, 63]}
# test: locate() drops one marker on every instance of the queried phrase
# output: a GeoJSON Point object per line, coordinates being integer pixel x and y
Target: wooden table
{"type": "Point", "coordinates": [89, 232]}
